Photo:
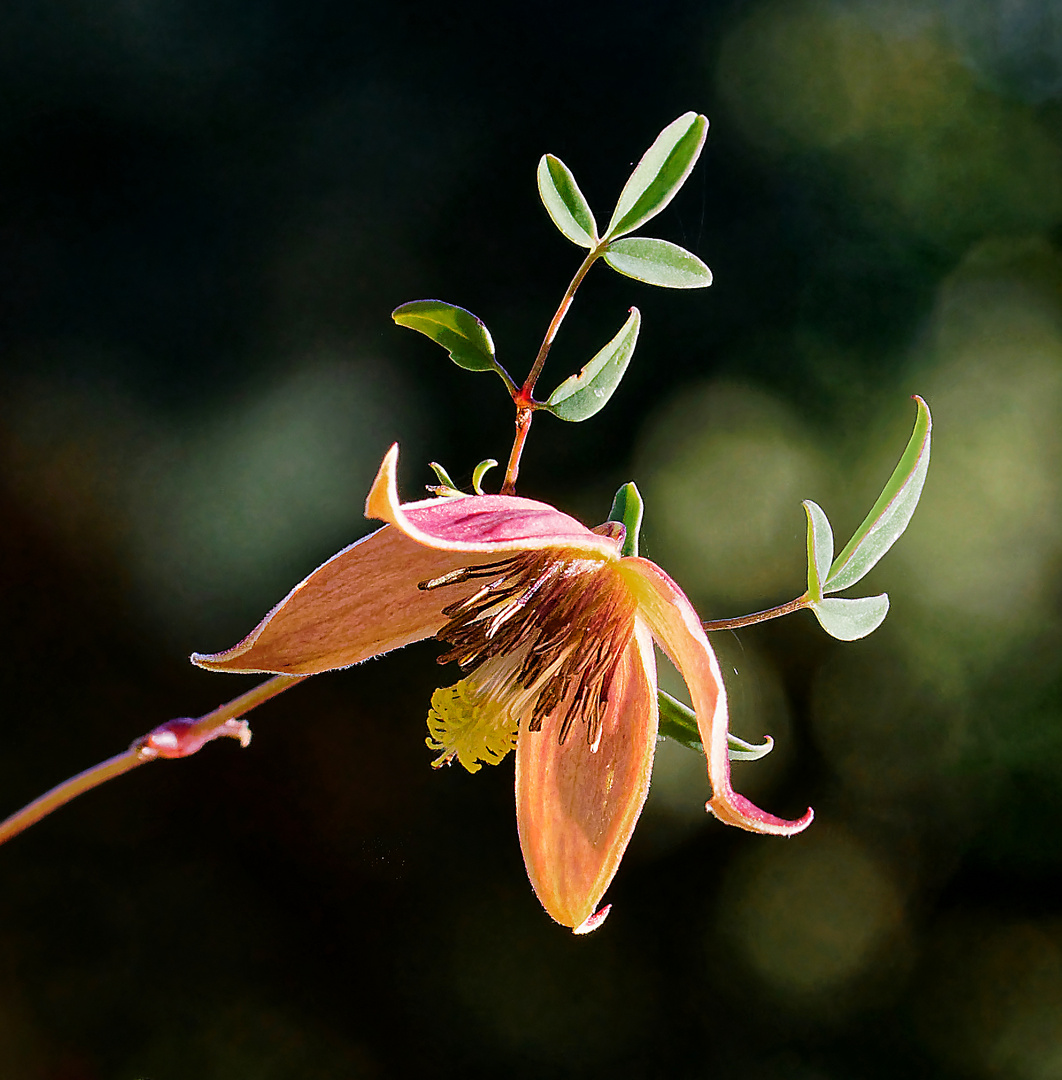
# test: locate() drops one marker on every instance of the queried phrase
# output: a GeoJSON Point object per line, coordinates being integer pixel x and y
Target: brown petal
{"type": "Point", "coordinates": [362, 602]}
{"type": "Point", "coordinates": [576, 809]}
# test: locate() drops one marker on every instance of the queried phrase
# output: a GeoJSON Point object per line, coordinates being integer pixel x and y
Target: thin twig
{"type": "Point", "coordinates": [174, 739]}
{"type": "Point", "coordinates": [70, 789]}
{"type": "Point", "coordinates": [524, 397]}
{"type": "Point", "coordinates": [757, 617]}
{"type": "Point", "coordinates": [551, 331]}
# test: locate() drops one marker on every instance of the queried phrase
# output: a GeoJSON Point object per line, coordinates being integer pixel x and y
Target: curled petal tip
{"type": "Point", "coordinates": [383, 495]}
{"type": "Point", "coordinates": [593, 921]}
{"type": "Point", "coordinates": [736, 810]}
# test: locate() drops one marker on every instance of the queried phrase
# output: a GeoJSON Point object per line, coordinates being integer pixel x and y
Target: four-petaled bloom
{"type": "Point", "coordinates": [555, 633]}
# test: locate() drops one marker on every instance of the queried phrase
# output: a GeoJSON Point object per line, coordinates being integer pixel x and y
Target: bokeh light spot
{"type": "Point", "coordinates": [725, 468]}
{"type": "Point", "coordinates": [809, 915]}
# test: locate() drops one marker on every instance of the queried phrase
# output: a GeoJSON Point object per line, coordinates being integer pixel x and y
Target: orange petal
{"type": "Point", "coordinates": [576, 809]}
{"type": "Point", "coordinates": [362, 602]}
{"type": "Point", "coordinates": [675, 625]}
{"type": "Point", "coordinates": [481, 523]}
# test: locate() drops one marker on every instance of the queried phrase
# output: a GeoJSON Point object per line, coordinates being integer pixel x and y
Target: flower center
{"type": "Point", "coordinates": [544, 631]}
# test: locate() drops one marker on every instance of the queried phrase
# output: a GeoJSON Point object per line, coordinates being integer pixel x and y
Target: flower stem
{"type": "Point", "coordinates": [524, 417]}
{"type": "Point", "coordinates": [254, 697]}
{"type": "Point", "coordinates": [70, 789]}
{"type": "Point", "coordinates": [758, 616]}
{"type": "Point", "coordinates": [177, 738]}
{"type": "Point", "coordinates": [523, 397]}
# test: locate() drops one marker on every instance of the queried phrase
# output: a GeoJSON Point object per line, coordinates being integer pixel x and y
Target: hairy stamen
{"type": "Point", "coordinates": [549, 629]}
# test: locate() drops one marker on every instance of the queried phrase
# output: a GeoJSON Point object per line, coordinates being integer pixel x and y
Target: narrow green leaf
{"type": "Point", "coordinates": [565, 203]}
{"type": "Point", "coordinates": [442, 474]}
{"type": "Point", "coordinates": [849, 620]}
{"type": "Point", "coordinates": [627, 508]}
{"type": "Point", "coordinates": [459, 332]}
{"type": "Point", "coordinates": [582, 395]}
{"type": "Point", "coordinates": [820, 548]}
{"type": "Point", "coordinates": [739, 750]}
{"type": "Point", "coordinates": [658, 262]}
{"type": "Point", "coordinates": [891, 513]}
{"type": "Point", "coordinates": [661, 172]}
{"type": "Point", "coordinates": [479, 472]}
{"type": "Point", "coordinates": [679, 722]}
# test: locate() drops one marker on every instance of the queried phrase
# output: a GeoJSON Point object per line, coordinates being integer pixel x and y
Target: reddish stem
{"type": "Point", "coordinates": [757, 617]}
{"type": "Point", "coordinates": [524, 416]}
{"type": "Point", "coordinates": [523, 397]}
{"type": "Point", "coordinates": [175, 738]}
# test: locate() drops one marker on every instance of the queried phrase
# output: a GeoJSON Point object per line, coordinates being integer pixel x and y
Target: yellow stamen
{"type": "Point", "coordinates": [469, 725]}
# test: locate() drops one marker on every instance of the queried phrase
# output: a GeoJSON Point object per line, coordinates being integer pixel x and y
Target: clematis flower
{"type": "Point", "coordinates": [554, 633]}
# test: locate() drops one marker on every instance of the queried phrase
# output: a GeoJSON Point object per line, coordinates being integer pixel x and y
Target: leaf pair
{"type": "Point", "coordinates": [468, 341]}
{"type": "Point", "coordinates": [882, 527]}
{"type": "Point", "coordinates": [655, 181]}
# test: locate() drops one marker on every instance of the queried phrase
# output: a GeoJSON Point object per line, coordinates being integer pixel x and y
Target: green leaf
{"type": "Point", "coordinates": [464, 337]}
{"type": "Point", "coordinates": [446, 487]}
{"type": "Point", "coordinates": [658, 176]}
{"type": "Point", "coordinates": [739, 750]}
{"type": "Point", "coordinates": [820, 548]}
{"type": "Point", "coordinates": [627, 507]}
{"type": "Point", "coordinates": [565, 202]}
{"type": "Point", "coordinates": [582, 395]}
{"type": "Point", "coordinates": [442, 474]}
{"type": "Point", "coordinates": [479, 472]}
{"type": "Point", "coordinates": [658, 262]}
{"type": "Point", "coordinates": [679, 722]}
{"type": "Point", "coordinates": [849, 620]}
{"type": "Point", "coordinates": [890, 514]}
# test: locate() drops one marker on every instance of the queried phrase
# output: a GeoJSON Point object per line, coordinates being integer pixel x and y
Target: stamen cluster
{"type": "Point", "coordinates": [556, 626]}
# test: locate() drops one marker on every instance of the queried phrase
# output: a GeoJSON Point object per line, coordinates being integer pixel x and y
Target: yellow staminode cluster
{"type": "Point", "coordinates": [469, 726]}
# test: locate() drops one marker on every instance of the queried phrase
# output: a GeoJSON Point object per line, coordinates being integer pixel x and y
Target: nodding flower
{"type": "Point", "coordinates": [553, 631]}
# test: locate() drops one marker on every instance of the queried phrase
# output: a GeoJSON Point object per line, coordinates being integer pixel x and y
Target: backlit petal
{"type": "Point", "coordinates": [481, 523]}
{"type": "Point", "coordinates": [576, 809]}
{"type": "Point", "coordinates": [362, 602]}
{"type": "Point", "coordinates": [676, 626]}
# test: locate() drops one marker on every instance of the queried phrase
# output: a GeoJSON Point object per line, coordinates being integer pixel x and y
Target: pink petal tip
{"type": "Point", "coordinates": [593, 921]}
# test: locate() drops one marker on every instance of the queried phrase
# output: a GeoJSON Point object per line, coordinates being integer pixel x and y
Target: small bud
{"type": "Point", "coordinates": [178, 738]}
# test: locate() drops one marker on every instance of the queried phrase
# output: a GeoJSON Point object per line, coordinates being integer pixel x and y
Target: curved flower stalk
{"type": "Point", "coordinates": [554, 632]}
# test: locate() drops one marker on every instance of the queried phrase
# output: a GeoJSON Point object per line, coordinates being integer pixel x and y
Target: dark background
{"type": "Point", "coordinates": [207, 212]}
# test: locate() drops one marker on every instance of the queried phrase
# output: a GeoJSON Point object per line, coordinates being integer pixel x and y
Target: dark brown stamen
{"type": "Point", "coordinates": [463, 573]}
{"type": "Point", "coordinates": [567, 619]}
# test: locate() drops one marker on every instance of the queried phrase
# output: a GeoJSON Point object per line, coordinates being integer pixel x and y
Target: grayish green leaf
{"type": "Point", "coordinates": [849, 620]}
{"type": "Point", "coordinates": [627, 507]}
{"type": "Point", "coordinates": [679, 722]}
{"type": "Point", "coordinates": [582, 395]}
{"type": "Point", "coordinates": [661, 172]}
{"type": "Point", "coordinates": [458, 331]}
{"type": "Point", "coordinates": [820, 548]}
{"type": "Point", "coordinates": [739, 750]}
{"type": "Point", "coordinates": [442, 474]}
{"type": "Point", "coordinates": [657, 262]}
{"type": "Point", "coordinates": [479, 472]}
{"type": "Point", "coordinates": [890, 514]}
{"type": "Point", "coordinates": [565, 202]}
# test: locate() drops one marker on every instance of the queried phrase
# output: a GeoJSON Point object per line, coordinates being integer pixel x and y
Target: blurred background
{"type": "Point", "coordinates": [207, 213]}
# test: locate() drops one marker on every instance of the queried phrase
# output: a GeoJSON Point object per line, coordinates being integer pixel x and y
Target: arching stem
{"type": "Point", "coordinates": [175, 738]}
